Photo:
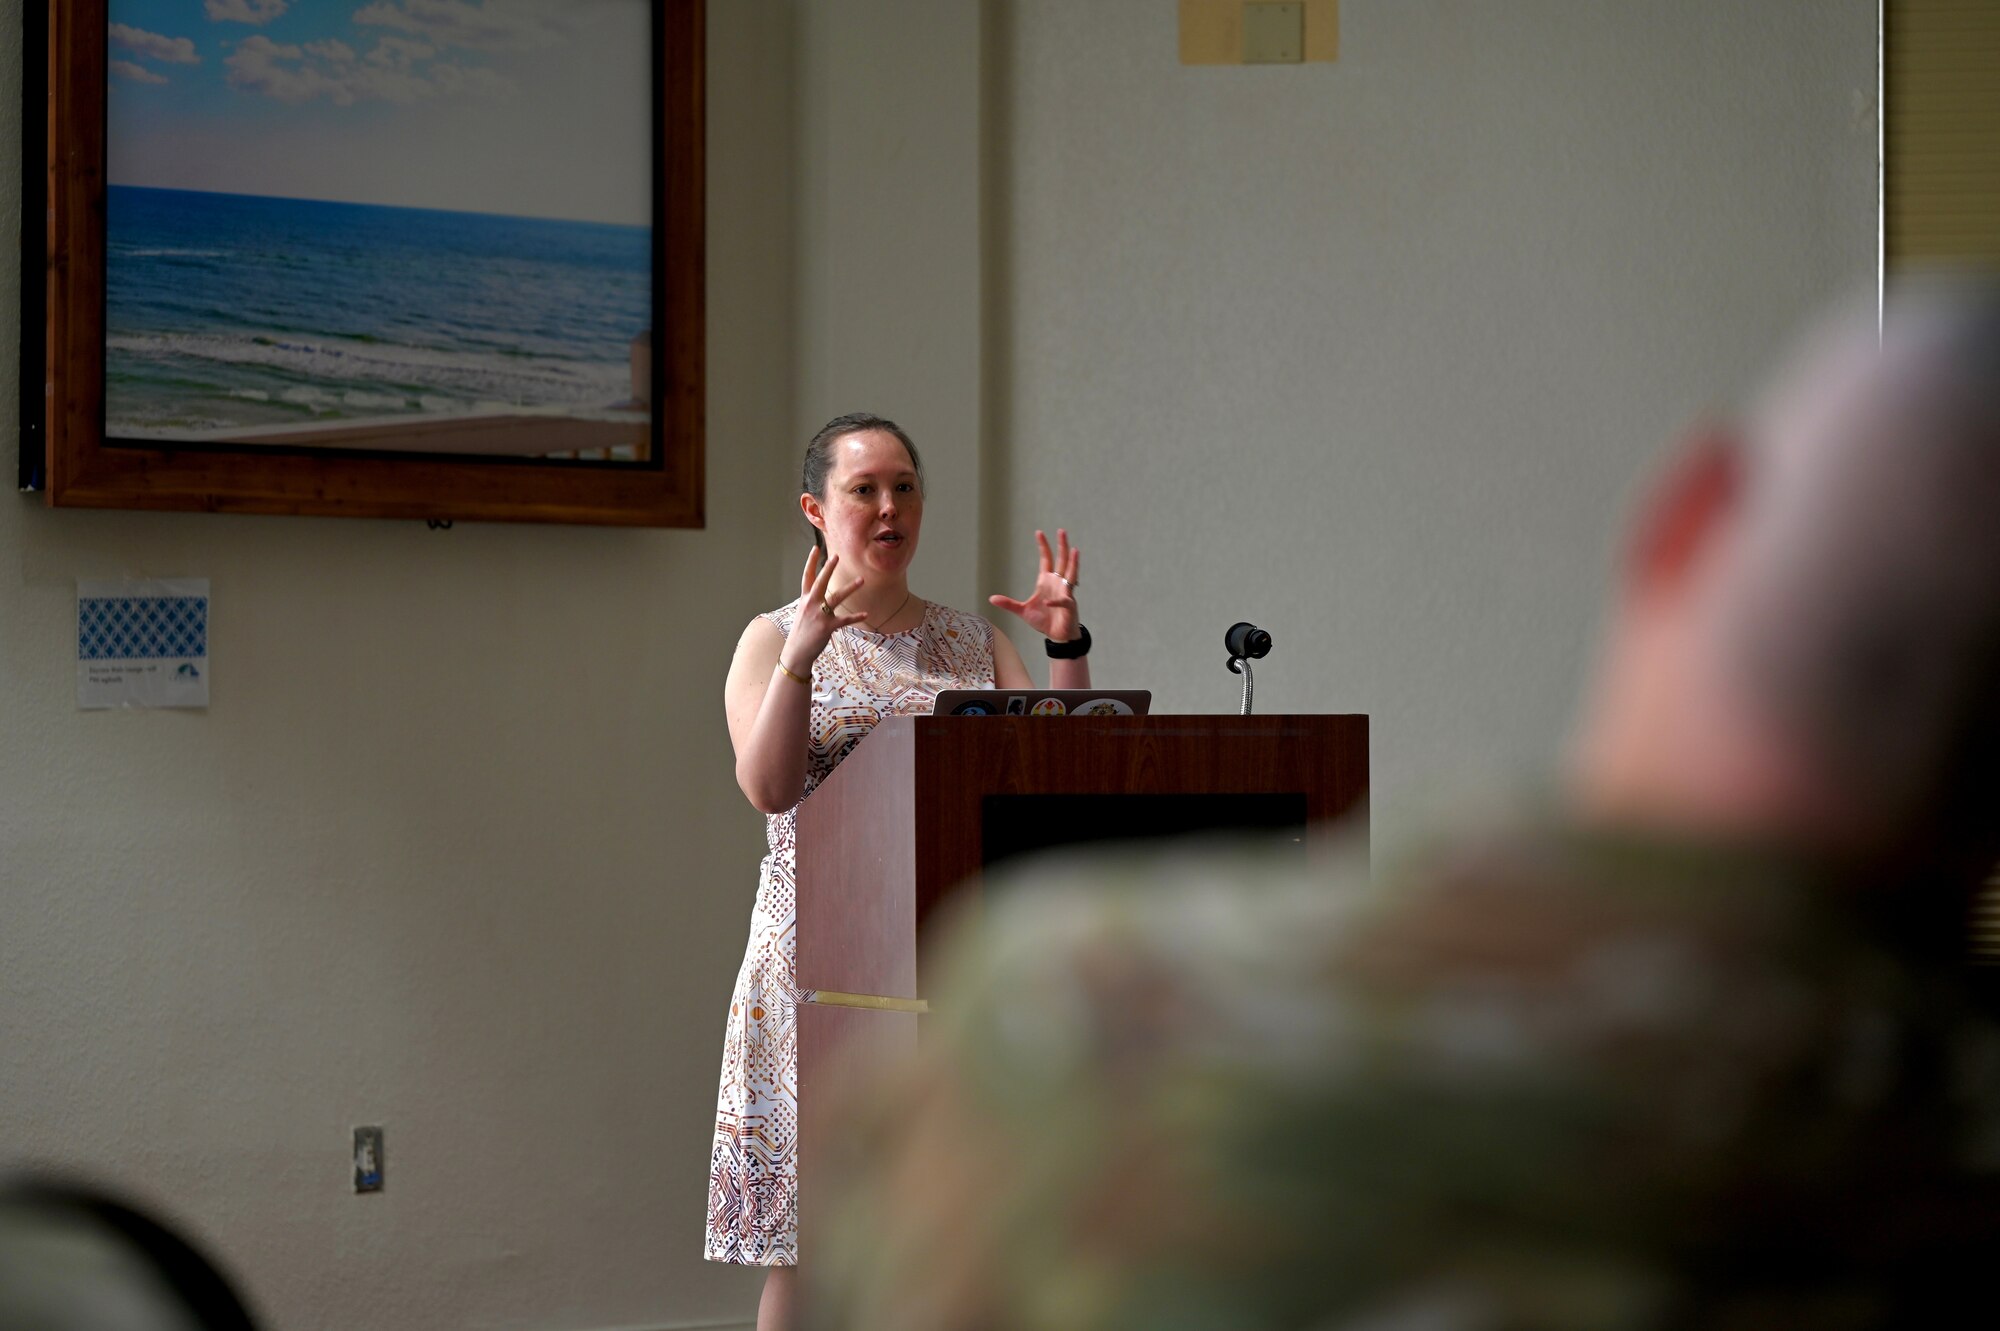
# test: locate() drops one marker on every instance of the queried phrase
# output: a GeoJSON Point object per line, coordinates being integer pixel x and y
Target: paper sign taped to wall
{"type": "Point", "coordinates": [141, 642]}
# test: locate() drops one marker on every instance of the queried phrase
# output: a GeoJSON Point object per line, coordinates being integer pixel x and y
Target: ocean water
{"type": "Point", "coordinates": [231, 312]}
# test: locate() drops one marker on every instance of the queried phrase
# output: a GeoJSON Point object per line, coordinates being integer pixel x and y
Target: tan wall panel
{"type": "Point", "coordinates": [1212, 31]}
{"type": "Point", "coordinates": [1942, 131]}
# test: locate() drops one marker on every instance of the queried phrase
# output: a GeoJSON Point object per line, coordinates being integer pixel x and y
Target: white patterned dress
{"type": "Point", "coordinates": [861, 677]}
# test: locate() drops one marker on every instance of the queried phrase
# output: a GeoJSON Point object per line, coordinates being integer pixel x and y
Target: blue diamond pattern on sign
{"type": "Point", "coordinates": [122, 628]}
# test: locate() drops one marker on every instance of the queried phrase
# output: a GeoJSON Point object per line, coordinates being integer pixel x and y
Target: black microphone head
{"type": "Point", "coordinates": [1247, 641]}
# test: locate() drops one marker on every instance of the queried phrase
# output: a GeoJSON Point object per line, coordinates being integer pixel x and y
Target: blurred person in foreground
{"type": "Point", "coordinates": [1705, 1046]}
{"type": "Point", "coordinates": [73, 1258]}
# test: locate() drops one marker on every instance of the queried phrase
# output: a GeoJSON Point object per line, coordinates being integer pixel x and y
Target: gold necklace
{"type": "Point", "coordinates": [892, 615]}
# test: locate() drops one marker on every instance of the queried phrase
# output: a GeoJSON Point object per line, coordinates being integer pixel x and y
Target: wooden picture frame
{"type": "Point", "coordinates": [66, 457]}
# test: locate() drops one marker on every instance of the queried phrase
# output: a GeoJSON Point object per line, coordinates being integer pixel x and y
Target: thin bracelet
{"type": "Point", "coordinates": [792, 673]}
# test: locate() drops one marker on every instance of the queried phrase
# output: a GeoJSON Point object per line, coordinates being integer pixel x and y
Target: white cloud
{"type": "Point", "coordinates": [477, 25]}
{"type": "Point", "coordinates": [257, 12]}
{"type": "Point", "coordinates": [328, 71]}
{"type": "Point", "coordinates": [258, 64]}
{"type": "Point", "coordinates": [390, 85]}
{"type": "Point", "coordinates": [151, 45]}
{"type": "Point", "coordinates": [399, 52]}
{"type": "Point", "coordinates": [125, 69]}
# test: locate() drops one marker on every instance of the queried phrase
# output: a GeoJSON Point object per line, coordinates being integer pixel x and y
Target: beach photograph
{"type": "Point", "coordinates": [408, 225]}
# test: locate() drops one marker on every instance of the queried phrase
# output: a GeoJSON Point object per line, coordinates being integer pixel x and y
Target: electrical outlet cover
{"type": "Point", "coordinates": [368, 1159]}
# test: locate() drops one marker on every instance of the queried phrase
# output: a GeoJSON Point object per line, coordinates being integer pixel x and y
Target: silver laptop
{"type": "Point", "coordinates": [1043, 702]}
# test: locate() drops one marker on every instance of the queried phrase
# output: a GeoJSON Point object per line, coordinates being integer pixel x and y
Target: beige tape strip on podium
{"type": "Point", "coordinates": [834, 998]}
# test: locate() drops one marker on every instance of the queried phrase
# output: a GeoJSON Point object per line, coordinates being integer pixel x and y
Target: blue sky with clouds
{"type": "Point", "coordinates": [531, 108]}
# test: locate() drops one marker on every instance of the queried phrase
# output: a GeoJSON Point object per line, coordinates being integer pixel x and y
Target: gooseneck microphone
{"type": "Point", "coordinates": [1246, 642]}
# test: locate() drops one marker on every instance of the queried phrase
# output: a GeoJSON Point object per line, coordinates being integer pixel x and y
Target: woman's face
{"type": "Point", "coordinates": [873, 508]}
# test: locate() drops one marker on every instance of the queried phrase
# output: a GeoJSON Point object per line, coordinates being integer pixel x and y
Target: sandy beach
{"type": "Point", "coordinates": [474, 434]}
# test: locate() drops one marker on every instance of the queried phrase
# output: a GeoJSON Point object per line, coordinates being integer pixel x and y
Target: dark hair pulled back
{"type": "Point", "coordinates": [819, 454]}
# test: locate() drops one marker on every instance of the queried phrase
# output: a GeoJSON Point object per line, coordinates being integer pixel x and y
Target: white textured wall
{"type": "Point", "coordinates": [1372, 353]}
{"type": "Point", "coordinates": [455, 850]}
{"type": "Point", "coordinates": [889, 228]}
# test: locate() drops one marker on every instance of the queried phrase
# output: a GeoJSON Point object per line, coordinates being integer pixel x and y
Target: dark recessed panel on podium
{"type": "Point", "coordinates": [914, 815]}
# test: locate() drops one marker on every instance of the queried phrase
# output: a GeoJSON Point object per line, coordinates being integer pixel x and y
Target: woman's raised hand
{"type": "Point", "coordinates": [1050, 609]}
{"type": "Point", "coordinates": [819, 612]}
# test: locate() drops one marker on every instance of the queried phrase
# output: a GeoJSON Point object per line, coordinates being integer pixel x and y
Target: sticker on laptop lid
{"type": "Point", "coordinates": [1101, 707]}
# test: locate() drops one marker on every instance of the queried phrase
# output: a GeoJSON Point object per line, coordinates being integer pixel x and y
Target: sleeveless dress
{"type": "Point", "coordinates": [861, 677]}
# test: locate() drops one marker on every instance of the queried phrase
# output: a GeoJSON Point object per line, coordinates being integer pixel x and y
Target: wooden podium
{"type": "Point", "coordinates": [911, 819]}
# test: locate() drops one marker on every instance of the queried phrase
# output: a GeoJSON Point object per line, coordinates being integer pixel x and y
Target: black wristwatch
{"type": "Point", "coordinates": [1069, 651]}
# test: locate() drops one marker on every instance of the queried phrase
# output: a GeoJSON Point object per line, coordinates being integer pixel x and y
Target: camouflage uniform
{"type": "Point", "coordinates": [1550, 1080]}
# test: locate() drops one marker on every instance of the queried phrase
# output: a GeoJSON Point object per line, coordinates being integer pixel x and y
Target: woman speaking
{"type": "Point", "coordinates": [808, 682]}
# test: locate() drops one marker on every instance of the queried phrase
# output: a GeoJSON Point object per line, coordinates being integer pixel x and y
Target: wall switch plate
{"type": "Point", "coordinates": [1274, 34]}
{"type": "Point", "coordinates": [368, 1159]}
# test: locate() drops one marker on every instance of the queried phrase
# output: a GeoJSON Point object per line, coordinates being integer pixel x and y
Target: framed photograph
{"type": "Point", "coordinates": [431, 259]}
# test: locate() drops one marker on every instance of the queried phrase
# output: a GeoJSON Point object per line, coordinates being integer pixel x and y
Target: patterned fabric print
{"type": "Point", "coordinates": [141, 627]}
{"type": "Point", "coordinates": [753, 1166]}
{"type": "Point", "coordinates": [1545, 1082]}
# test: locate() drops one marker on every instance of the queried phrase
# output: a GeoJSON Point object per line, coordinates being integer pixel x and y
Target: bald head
{"type": "Point", "coordinates": [1832, 643]}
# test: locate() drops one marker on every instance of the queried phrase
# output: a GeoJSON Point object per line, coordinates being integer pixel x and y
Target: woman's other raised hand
{"type": "Point", "coordinates": [1050, 609]}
